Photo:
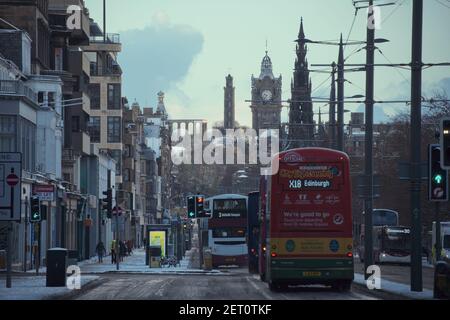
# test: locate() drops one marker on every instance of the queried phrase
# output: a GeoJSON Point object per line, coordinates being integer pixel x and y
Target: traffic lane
{"type": "Point", "coordinates": [400, 273]}
{"type": "Point", "coordinates": [195, 287]}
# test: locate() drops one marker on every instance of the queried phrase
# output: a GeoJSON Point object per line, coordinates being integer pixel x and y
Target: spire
{"type": "Point", "coordinates": [301, 34]}
{"type": "Point", "coordinates": [266, 67]}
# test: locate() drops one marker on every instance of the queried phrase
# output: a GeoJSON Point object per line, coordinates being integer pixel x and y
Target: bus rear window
{"type": "Point", "coordinates": [237, 204]}
{"type": "Point", "coordinates": [229, 233]}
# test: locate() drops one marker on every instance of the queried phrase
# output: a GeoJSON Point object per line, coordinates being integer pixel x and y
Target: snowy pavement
{"type": "Point", "coordinates": [397, 289]}
{"type": "Point", "coordinates": [136, 264]}
{"type": "Point", "coordinates": [34, 288]}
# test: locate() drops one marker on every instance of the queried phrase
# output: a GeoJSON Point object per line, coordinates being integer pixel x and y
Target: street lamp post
{"type": "Point", "coordinates": [368, 170]}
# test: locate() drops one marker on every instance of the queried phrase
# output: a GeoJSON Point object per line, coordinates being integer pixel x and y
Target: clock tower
{"type": "Point", "coordinates": [266, 98]}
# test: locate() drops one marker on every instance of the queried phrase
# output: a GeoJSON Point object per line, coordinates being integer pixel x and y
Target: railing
{"type": "Point", "coordinates": [111, 38]}
{"type": "Point", "coordinates": [105, 71]}
{"type": "Point", "coordinates": [16, 87]}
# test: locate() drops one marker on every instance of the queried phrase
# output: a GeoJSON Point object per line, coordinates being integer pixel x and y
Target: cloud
{"type": "Point", "coordinates": [157, 57]}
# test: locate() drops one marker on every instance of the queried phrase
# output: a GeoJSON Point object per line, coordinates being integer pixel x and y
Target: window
{"type": "Point", "coordinates": [75, 124]}
{"type": "Point", "coordinates": [7, 133]}
{"type": "Point", "coordinates": [40, 97]}
{"type": "Point", "coordinates": [114, 96]}
{"type": "Point", "coordinates": [117, 156]}
{"type": "Point", "coordinates": [94, 93]}
{"type": "Point", "coordinates": [114, 129]}
{"type": "Point", "coordinates": [126, 175]}
{"type": "Point", "coordinates": [27, 141]}
{"type": "Point", "coordinates": [51, 100]}
{"type": "Point", "coordinates": [94, 129]}
{"type": "Point", "coordinates": [59, 62]}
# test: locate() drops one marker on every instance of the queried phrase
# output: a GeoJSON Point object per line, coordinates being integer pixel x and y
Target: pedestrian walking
{"type": "Point", "coordinates": [101, 251]}
{"type": "Point", "coordinates": [113, 252]}
{"type": "Point", "coordinates": [122, 250]}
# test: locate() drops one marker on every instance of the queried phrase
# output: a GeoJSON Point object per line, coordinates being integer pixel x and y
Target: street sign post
{"type": "Point", "coordinates": [10, 199]}
{"type": "Point", "coordinates": [10, 186]}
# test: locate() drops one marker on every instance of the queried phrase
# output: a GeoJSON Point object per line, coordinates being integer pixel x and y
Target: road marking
{"type": "Point", "coordinates": [268, 297]}
{"type": "Point", "coordinates": [160, 291]}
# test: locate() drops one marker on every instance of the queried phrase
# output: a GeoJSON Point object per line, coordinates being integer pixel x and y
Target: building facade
{"type": "Point", "coordinates": [266, 97]}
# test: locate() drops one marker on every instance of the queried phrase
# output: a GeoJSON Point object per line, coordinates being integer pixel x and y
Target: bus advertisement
{"type": "Point", "coordinates": [227, 230]}
{"type": "Point", "coordinates": [309, 220]}
{"type": "Point", "coordinates": [253, 231]}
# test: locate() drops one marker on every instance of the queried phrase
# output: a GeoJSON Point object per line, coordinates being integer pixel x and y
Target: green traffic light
{"type": "Point", "coordinates": [438, 178]}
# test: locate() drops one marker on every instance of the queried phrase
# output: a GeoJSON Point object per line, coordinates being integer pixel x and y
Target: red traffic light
{"type": "Point", "coordinates": [200, 199]}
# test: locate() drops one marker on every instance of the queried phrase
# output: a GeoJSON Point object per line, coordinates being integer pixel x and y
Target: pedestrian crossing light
{"type": "Point", "coordinates": [35, 210]}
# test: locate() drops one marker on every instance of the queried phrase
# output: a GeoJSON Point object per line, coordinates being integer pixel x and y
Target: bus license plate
{"type": "Point", "coordinates": [312, 274]}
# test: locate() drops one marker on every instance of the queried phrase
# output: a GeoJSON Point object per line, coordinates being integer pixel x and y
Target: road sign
{"type": "Point", "coordinates": [10, 186]}
{"type": "Point", "coordinates": [12, 180]}
{"type": "Point", "coordinates": [44, 192]}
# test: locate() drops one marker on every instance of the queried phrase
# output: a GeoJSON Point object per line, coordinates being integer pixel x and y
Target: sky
{"type": "Point", "coordinates": [187, 48]}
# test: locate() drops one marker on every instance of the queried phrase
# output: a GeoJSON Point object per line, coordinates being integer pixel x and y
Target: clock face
{"type": "Point", "coordinates": [266, 95]}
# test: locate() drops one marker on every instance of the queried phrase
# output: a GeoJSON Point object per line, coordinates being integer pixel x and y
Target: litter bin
{"type": "Point", "coordinates": [207, 259]}
{"type": "Point", "coordinates": [57, 259]}
{"type": "Point", "coordinates": [442, 280]}
{"type": "Point", "coordinates": [155, 257]}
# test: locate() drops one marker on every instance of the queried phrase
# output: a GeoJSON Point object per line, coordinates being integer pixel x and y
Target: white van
{"type": "Point", "coordinates": [445, 240]}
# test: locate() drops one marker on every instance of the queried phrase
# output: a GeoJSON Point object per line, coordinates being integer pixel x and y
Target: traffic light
{"type": "Point", "coordinates": [191, 207]}
{"type": "Point", "coordinates": [445, 144]}
{"type": "Point", "coordinates": [107, 203]}
{"type": "Point", "coordinates": [35, 209]}
{"type": "Point", "coordinates": [201, 210]}
{"type": "Point", "coordinates": [438, 177]}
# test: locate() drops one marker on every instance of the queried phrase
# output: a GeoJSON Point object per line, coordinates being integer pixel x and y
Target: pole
{"type": "Point", "coordinates": [117, 240]}
{"type": "Point", "coordinates": [200, 243]}
{"type": "Point", "coordinates": [368, 171]}
{"type": "Point", "coordinates": [438, 234]}
{"type": "Point", "coordinates": [416, 119]}
{"type": "Point", "coordinates": [340, 93]}
{"type": "Point", "coordinates": [26, 236]}
{"type": "Point", "coordinates": [37, 255]}
{"type": "Point", "coordinates": [104, 21]}
{"type": "Point", "coordinates": [332, 119]}
{"type": "Point", "coordinates": [9, 257]}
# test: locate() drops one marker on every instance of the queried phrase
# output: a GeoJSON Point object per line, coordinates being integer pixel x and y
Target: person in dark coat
{"type": "Point", "coordinates": [101, 251]}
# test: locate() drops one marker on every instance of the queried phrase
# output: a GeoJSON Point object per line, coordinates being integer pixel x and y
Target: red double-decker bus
{"type": "Point", "coordinates": [308, 220]}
